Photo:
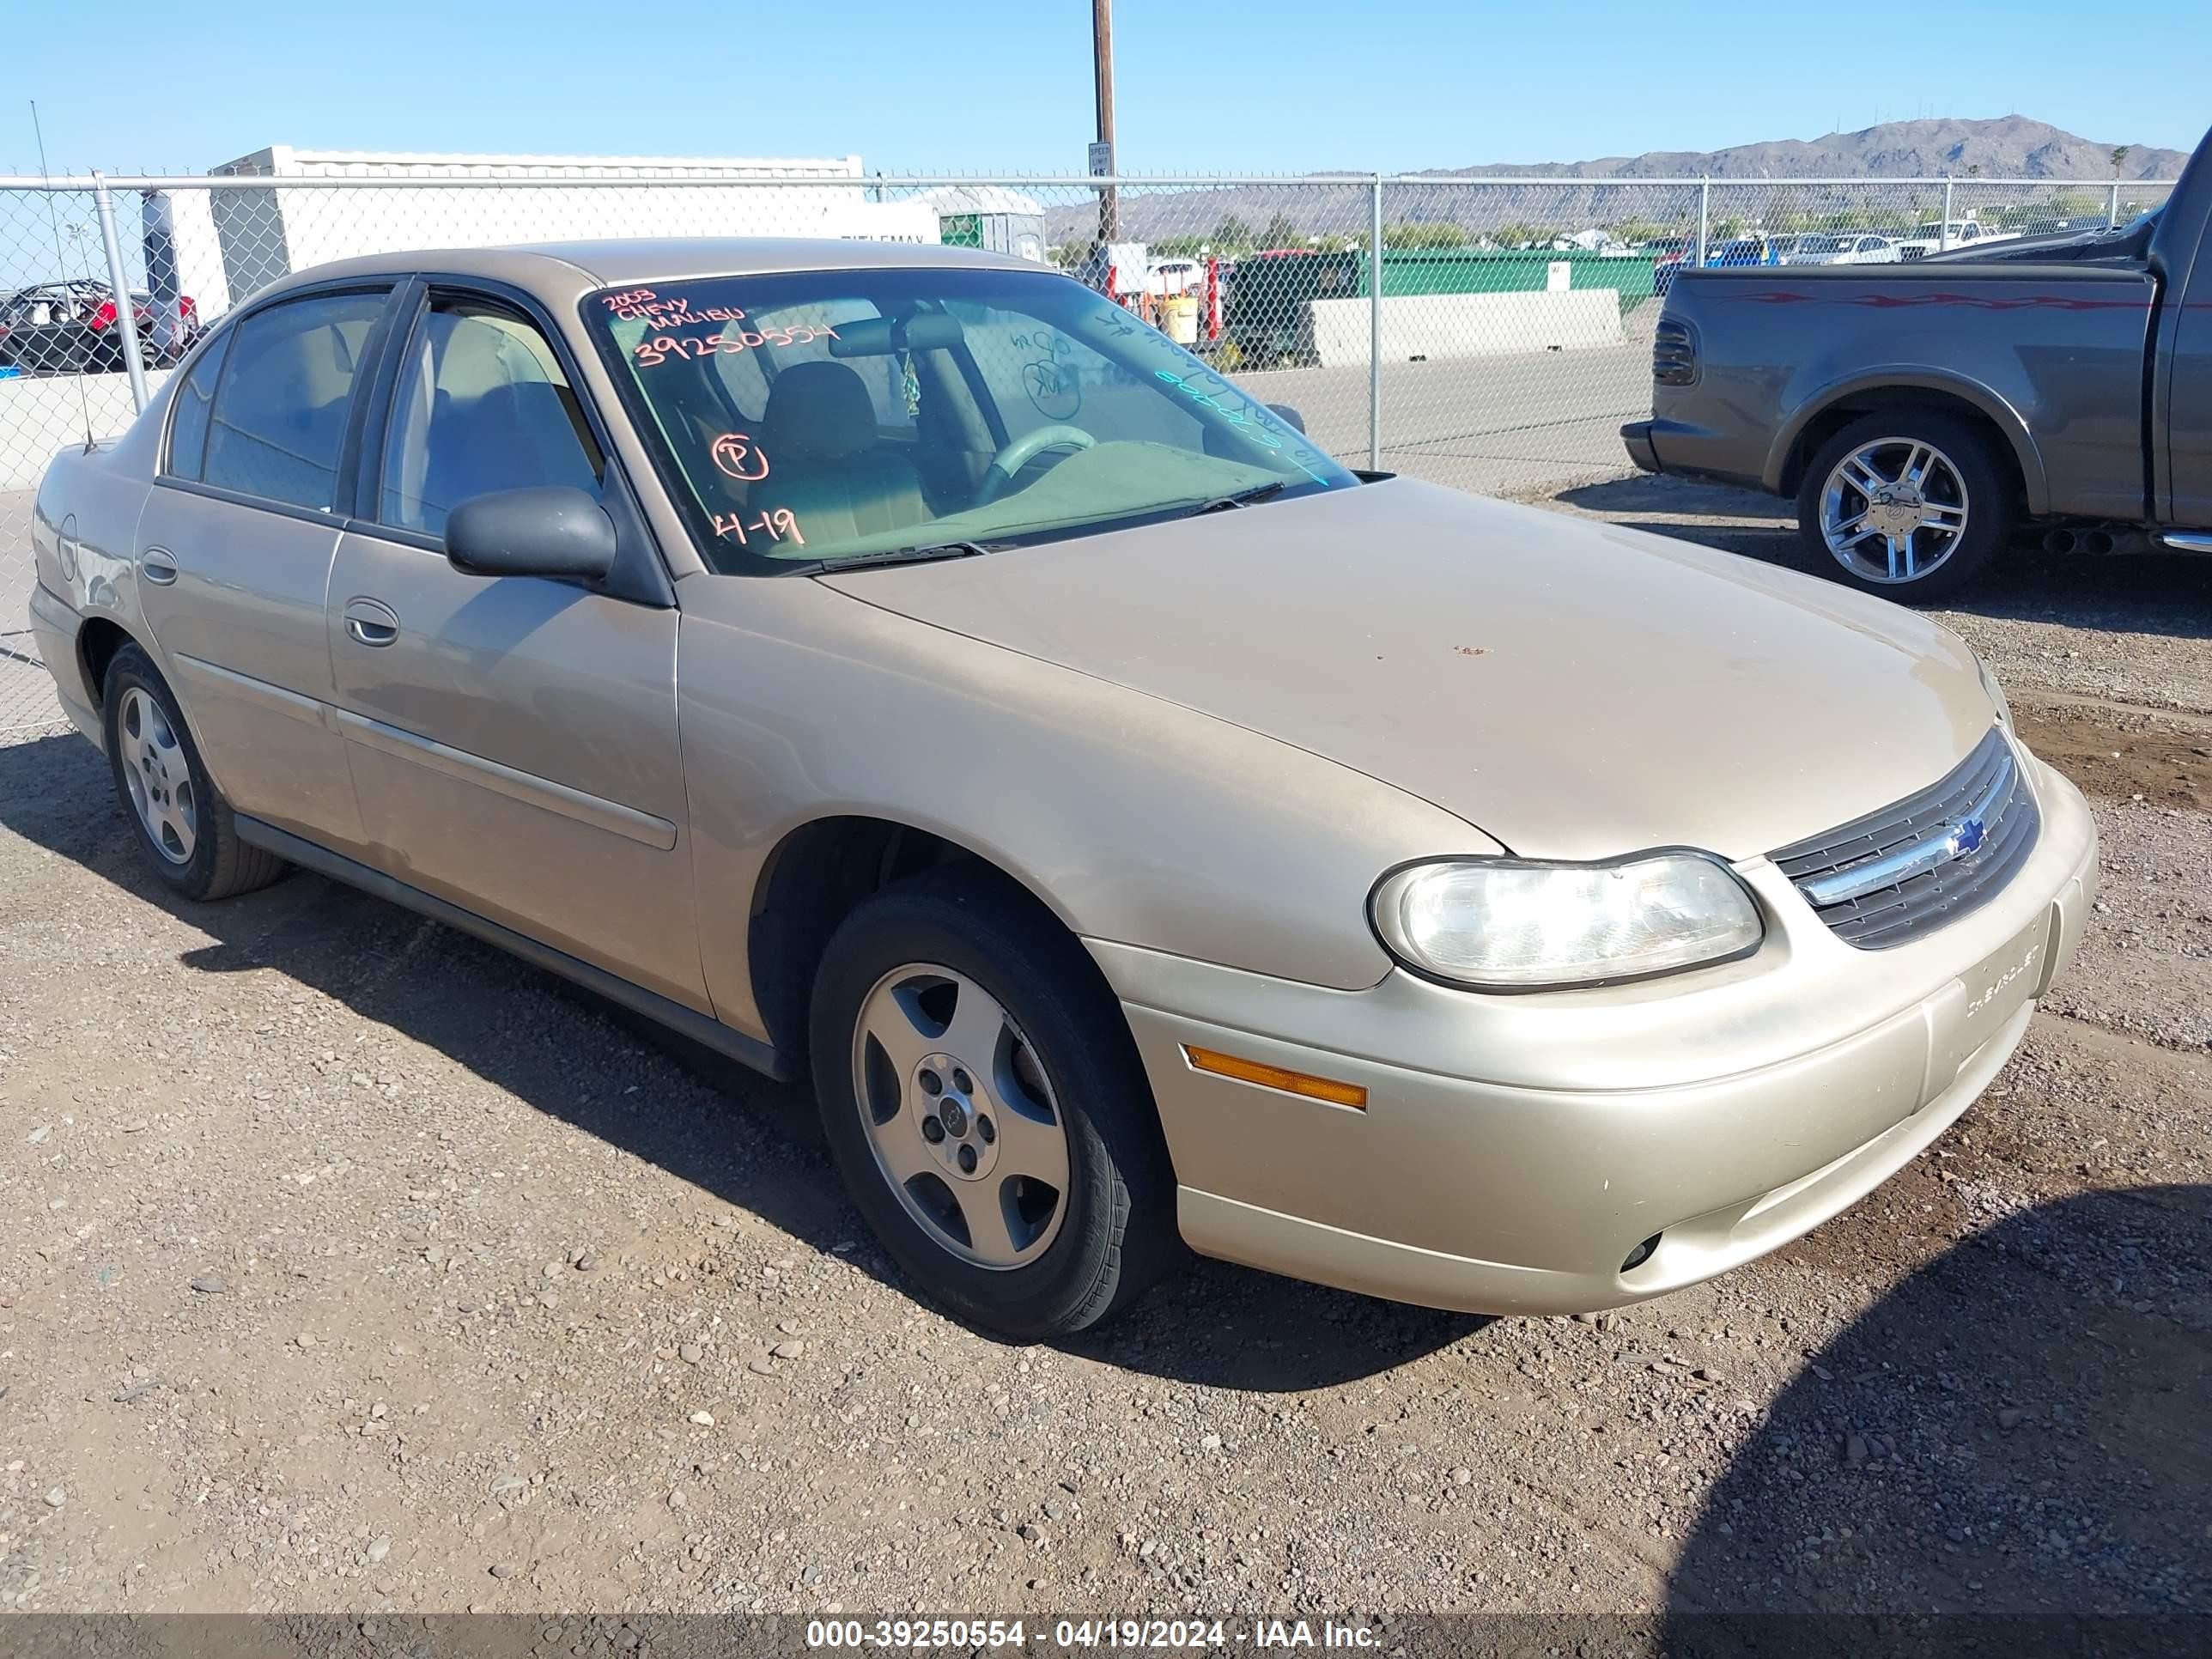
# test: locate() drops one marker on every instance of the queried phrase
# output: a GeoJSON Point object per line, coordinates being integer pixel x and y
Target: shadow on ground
{"type": "Point", "coordinates": [2018, 1427]}
{"type": "Point", "coordinates": [725, 1130]}
{"type": "Point", "coordinates": [2137, 594]}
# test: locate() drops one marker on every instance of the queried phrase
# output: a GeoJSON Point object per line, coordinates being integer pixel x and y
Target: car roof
{"type": "Point", "coordinates": [558, 270]}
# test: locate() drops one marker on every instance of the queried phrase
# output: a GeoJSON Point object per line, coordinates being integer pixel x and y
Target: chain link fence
{"type": "Point", "coordinates": [1490, 333]}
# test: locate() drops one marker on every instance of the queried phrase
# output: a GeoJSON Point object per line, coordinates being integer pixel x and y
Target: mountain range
{"type": "Point", "coordinates": [2008, 147]}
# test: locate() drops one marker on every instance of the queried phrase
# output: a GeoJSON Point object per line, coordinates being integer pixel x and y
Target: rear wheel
{"type": "Point", "coordinates": [983, 1099]}
{"type": "Point", "coordinates": [184, 823]}
{"type": "Point", "coordinates": [1909, 504]}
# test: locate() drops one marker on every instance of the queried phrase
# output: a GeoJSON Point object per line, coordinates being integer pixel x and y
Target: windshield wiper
{"type": "Point", "coordinates": [888, 557]}
{"type": "Point", "coordinates": [1242, 497]}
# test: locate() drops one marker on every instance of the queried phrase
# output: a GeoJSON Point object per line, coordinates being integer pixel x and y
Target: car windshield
{"type": "Point", "coordinates": [1820, 245]}
{"type": "Point", "coordinates": [821, 417]}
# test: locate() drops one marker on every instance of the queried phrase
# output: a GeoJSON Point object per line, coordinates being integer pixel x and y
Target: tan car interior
{"type": "Point", "coordinates": [829, 465]}
{"type": "Point", "coordinates": [500, 413]}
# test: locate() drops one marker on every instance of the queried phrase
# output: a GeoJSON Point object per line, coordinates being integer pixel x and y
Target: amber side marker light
{"type": "Point", "coordinates": [1276, 1077]}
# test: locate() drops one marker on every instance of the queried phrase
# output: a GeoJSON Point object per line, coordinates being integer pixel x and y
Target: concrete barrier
{"type": "Point", "coordinates": [42, 415]}
{"type": "Point", "coordinates": [1438, 327]}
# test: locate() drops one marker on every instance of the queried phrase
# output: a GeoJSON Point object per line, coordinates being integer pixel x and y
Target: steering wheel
{"type": "Point", "coordinates": [1023, 450]}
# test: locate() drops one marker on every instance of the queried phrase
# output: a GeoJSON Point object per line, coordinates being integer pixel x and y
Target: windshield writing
{"type": "Point", "coordinates": [815, 416]}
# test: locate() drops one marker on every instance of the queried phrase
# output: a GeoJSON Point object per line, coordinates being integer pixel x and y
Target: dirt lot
{"type": "Point", "coordinates": [345, 1264]}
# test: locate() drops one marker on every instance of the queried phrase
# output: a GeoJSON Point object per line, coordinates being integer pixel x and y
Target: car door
{"type": "Point", "coordinates": [2186, 378]}
{"type": "Point", "coordinates": [512, 739]}
{"type": "Point", "coordinates": [235, 545]}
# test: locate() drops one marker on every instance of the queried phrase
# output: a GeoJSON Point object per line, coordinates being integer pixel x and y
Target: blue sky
{"type": "Point", "coordinates": [988, 84]}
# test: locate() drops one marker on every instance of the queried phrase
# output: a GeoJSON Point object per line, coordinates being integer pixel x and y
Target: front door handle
{"type": "Point", "coordinates": [370, 622]}
{"type": "Point", "coordinates": [158, 565]}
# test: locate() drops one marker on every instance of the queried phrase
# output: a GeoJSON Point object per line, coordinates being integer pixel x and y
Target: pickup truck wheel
{"type": "Point", "coordinates": [1909, 504]}
{"type": "Point", "coordinates": [183, 821]}
{"type": "Point", "coordinates": [983, 1099]}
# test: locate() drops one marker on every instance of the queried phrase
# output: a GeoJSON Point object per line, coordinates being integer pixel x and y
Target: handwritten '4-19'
{"type": "Point", "coordinates": [778, 526]}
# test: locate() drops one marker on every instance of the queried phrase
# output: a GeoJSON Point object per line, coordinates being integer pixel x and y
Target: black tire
{"type": "Point", "coordinates": [221, 865]}
{"type": "Point", "coordinates": [1117, 1234]}
{"type": "Point", "coordinates": [1992, 497]}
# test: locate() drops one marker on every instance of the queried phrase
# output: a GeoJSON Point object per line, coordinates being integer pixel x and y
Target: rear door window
{"type": "Point", "coordinates": [279, 417]}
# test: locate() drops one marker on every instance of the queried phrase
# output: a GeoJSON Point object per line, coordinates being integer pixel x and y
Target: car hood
{"type": "Point", "coordinates": [1573, 688]}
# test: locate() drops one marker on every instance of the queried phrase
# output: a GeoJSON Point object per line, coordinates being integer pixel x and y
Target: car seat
{"type": "Point", "coordinates": [828, 464]}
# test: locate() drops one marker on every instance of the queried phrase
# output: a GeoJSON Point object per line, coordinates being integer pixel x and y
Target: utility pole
{"type": "Point", "coordinates": [1101, 53]}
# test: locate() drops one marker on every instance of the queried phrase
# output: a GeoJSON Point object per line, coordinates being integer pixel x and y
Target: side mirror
{"type": "Point", "coordinates": [1287, 416]}
{"type": "Point", "coordinates": [548, 530]}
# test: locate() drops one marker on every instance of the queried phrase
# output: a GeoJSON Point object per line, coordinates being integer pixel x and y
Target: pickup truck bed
{"type": "Point", "coordinates": [2073, 377]}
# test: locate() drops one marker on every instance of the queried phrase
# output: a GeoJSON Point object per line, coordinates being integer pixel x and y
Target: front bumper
{"type": "Point", "coordinates": [1636, 436]}
{"type": "Point", "coordinates": [1515, 1151]}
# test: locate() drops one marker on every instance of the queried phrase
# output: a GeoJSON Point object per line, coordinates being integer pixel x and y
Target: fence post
{"type": "Point", "coordinates": [1375, 329]}
{"type": "Point", "coordinates": [1704, 218]}
{"type": "Point", "coordinates": [2112, 207]}
{"type": "Point", "coordinates": [1944, 231]}
{"type": "Point", "coordinates": [126, 321]}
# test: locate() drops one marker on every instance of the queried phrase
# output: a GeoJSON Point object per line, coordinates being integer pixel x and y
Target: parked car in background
{"type": "Point", "coordinates": [1667, 253]}
{"type": "Point", "coordinates": [1846, 248]}
{"type": "Point", "coordinates": [899, 667]}
{"type": "Point", "coordinates": [72, 328]}
{"type": "Point", "coordinates": [1741, 251]}
{"type": "Point", "coordinates": [1264, 303]}
{"type": "Point", "coordinates": [1944, 236]}
{"type": "Point", "coordinates": [1924, 413]}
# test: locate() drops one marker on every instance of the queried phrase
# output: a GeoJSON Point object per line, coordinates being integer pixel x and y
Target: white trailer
{"type": "Point", "coordinates": [229, 243]}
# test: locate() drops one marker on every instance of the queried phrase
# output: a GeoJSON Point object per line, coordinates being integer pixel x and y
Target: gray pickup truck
{"type": "Point", "coordinates": [1927, 416]}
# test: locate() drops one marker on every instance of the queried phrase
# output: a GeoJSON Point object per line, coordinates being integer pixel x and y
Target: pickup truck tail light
{"type": "Point", "coordinates": [1674, 353]}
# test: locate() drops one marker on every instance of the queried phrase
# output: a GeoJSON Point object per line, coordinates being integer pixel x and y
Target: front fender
{"type": "Point", "coordinates": [1133, 819]}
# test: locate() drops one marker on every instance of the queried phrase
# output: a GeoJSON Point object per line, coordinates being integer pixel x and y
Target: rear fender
{"type": "Point", "coordinates": [1892, 385]}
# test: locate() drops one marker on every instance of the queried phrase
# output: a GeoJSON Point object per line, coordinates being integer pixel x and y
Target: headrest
{"type": "Point", "coordinates": [818, 411]}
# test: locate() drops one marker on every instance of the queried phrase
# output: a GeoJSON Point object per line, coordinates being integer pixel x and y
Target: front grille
{"type": "Point", "coordinates": [1892, 876]}
{"type": "Point", "coordinates": [1673, 354]}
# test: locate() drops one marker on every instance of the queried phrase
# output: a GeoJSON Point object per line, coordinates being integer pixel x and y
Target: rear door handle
{"type": "Point", "coordinates": [158, 565]}
{"type": "Point", "coordinates": [370, 622]}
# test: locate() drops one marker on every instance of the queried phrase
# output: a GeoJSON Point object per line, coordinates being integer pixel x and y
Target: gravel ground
{"type": "Point", "coordinates": [347, 1265]}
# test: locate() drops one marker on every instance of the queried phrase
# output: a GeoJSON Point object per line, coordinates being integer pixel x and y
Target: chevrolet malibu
{"type": "Point", "coordinates": [899, 667]}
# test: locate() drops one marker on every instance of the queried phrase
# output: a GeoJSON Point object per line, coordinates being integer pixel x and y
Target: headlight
{"type": "Point", "coordinates": [1995, 691]}
{"type": "Point", "coordinates": [1511, 925]}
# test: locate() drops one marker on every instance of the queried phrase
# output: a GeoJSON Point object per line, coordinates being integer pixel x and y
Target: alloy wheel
{"type": "Point", "coordinates": [961, 1115]}
{"type": "Point", "coordinates": [1893, 510]}
{"type": "Point", "coordinates": [159, 779]}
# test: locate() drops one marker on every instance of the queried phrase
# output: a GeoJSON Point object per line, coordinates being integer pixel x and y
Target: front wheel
{"type": "Point", "coordinates": [984, 1102]}
{"type": "Point", "coordinates": [1907, 503]}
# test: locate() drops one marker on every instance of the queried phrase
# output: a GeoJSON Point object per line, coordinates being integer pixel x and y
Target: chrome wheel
{"type": "Point", "coordinates": [1893, 510]}
{"type": "Point", "coordinates": [961, 1117]}
{"type": "Point", "coordinates": [160, 781]}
